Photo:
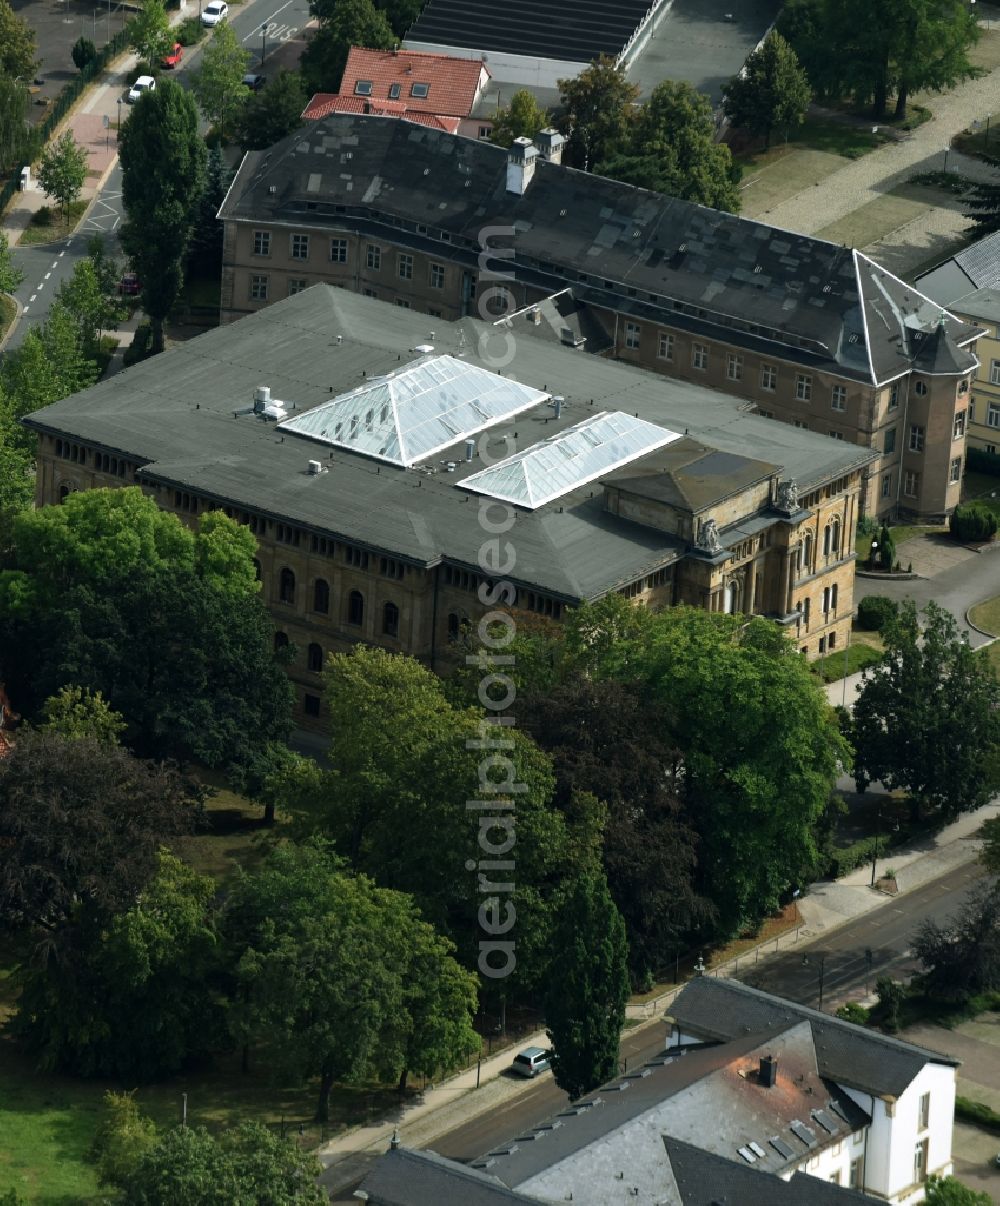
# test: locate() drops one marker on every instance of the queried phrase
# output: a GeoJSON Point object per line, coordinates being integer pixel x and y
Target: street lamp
{"type": "Point", "coordinates": [118, 133]}
{"type": "Point", "coordinates": [946, 150]}
{"type": "Point", "coordinates": [806, 962]}
{"type": "Point", "coordinates": [878, 834]}
{"type": "Point", "coordinates": [263, 41]}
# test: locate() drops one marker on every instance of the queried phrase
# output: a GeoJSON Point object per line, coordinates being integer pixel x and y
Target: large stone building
{"type": "Point", "coordinates": [361, 448]}
{"type": "Point", "coordinates": [810, 332]}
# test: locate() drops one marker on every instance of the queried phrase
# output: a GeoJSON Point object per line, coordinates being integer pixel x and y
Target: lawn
{"type": "Point", "coordinates": [992, 655]}
{"type": "Point", "coordinates": [50, 223]}
{"type": "Point", "coordinates": [876, 219]}
{"type": "Point", "coordinates": [234, 837]}
{"type": "Point", "coordinates": [836, 665]}
{"type": "Point", "coordinates": [900, 534]}
{"type": "Point", "coordinates": [987, 616]}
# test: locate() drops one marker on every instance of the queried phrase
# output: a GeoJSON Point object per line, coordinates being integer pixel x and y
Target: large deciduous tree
{"type": "Point", "coordinates": [63, 170]}
{"type": "Point", "coordinates": [17, 44]}
{"type": "Point", "coordinates": [149, 32]}
{"type": "Point", "coordinates": [587, 988]}
{"type": "Point", "coordinates": [950, 1191]}
{"type": "Point", "coordinates": [340, 980]}
{"type": "Point", "coordinates": [962, 957]}
{"type": "Point", "coordinates": [522, 118]}
{"type": "Point", "coordinates": [273, 112]}
{"type": "Point", "coordinates": [163, 167]}
{"type": "Point", "coordinates": [671, 148]}
{"type": "Point", "coordinates": [983, 200]}
{"type": "Point", "coordinates": [217, 84]}
{"type": "Point", "coordinates": [927, 717]}
{"type": "Point", "coordinates": [16, 136]}
{"type": "Point", "coordinates": [10, 275]}
{"type": "Point", "coordinates": [771, 92]}
{"type": "Point", "coordinates": [345, 24]}
{"type": "Point", "coordinates": [598, 111]}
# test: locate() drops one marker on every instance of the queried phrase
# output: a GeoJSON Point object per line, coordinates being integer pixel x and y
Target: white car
{"type": "Point", "coordinates": [215, 12]}
{"type": "Point", "coordinates": [145, 83]}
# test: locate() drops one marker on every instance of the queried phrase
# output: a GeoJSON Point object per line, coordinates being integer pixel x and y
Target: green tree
{"type": "Point", "coordinates": [81, 821]}
{"type": "Point", "coordinates": [340, 979]}
{"type": "Point", "coordinates": [10, 275]}
{"type": "Point", "coordinates": [588, 988]}
{"type": "Point", "coordinates": [131, 995]}
{"type": "Point", "coordinates": [121, 1139]}
{"type": "Point", "coordinates": [672, 149]}
{"type": "Point", "coordinates": [351, 23]}
{"type": "Point", "coordinates": [75, 712]}
{"type": "Point", "coordinates": [273, 112]}
{"type": "Point", "coordinates": [17, 139]}
{"type": "Point", "coordinates": [218, 83]}
{"type": "Point", "coordinates": [598, 111]}
{"type": "Point", "coordinates": [962, 957]}
{"type": "Point", "coordinates": [17, 485]}
{"type": "Point", "coordinates": [17, 44]}
{"type": "Point", "coordinates": [149, 32]}
{"type": "Point", "coordinates": [772, 92]}
{"type": "Point", "coordinates": [84, 51]}
{"type": "Point", "coordinates": [85, 295]}
{"type": "Point", "coordinates": [891, 995]}
{"type": "Point", "coordinates": [401, 14]}
{"type": "Point", "coordinates": [885, 553]}
{"type": "Point", "coordinates": [245, 1164]}
{"type": "Point", "coordinates": [204, 256]}
{"type": "Point", "coordinates": [163, 167]}
{"type": "Point", "coordinates": [522, 118]}
{"type": "Point", "coordinates": [989, 856]}
{"type": "Point", "coordinates": [950, 1191]}
{"type": "Point", "coordinates": [983, 200]}
{"type": "Point", "coordinates": [63, 170]}
{"type": "Point", "coordinates": [926, 718]}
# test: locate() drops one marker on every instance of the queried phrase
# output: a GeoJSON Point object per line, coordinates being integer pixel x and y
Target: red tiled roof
{"type": "Point", "coordinates": [452, 83]}
{"type": "Point", "coordinates": [325, 103]}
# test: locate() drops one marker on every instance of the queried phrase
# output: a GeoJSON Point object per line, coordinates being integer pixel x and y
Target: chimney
{"type": "Point", "coordinates": [550, 144]}
{"type": "Point", "coordinates": [557, 405]}
{"type": "Point", "coordinates": [768, 1073]}
{"type": "Point", "coordinates": [261, 398]}
{"type": "Point", "coordinates": [520, 165]}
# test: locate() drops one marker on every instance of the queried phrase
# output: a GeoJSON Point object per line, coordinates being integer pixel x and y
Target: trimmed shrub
{"type": "Point", "coordinates": [853, 1012]}
{"type": "Point", "coordinates": [875, 611]}
{"type": "Point", "coordinates": [84, 51]}
{"type": "Point", "coordinates": [190, 32]}
{"type": "Point", "coordinates": [972, 521]}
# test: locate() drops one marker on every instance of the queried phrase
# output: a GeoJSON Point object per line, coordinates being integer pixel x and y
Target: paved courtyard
{"type": "Point", "coordinates": [977, 1045]}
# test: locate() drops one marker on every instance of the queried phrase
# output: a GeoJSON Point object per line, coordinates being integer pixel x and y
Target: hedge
{"type": "Point", "coordinates": [972, 521]}
{"type": "Point", "coordinates": [978, 1114]}
{"type": "Point", "coordinates": [981, 461]}
{"type": "Point", "coordinates": [875, 611]}
{"type": "Point", "coordinates": [849, 858]}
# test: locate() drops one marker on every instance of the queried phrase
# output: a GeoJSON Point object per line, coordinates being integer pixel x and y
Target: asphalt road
{"type": "Point", "coordinates": [46, 267]}
{"type": "Point", "coordinates": [887, 931]}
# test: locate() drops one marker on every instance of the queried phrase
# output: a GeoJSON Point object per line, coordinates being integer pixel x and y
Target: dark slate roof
{"type": "Point", "coordinates": [703, 1179]}
{"type": "Point", "coordinates": [175, 415]}
{"type": "Point", "coordinates": [403, 1177]}
{"type": "Point", "coordinates": [548, 29]}
{"type": "Point", "coordinates": [720, 1009]}
{"type": "Point", "coordinates": [634, 251]}
{"type": "Point", "coordinates": [689, 475]}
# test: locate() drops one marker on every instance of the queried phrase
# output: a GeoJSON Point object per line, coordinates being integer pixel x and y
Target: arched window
{"type": "Point", "coordinates": [64, 492]}
{"type": "Point", "coordinates": [280, 641]}
{"type": "Point", "coordinates": [390, 620]}
{"type": "Point", "coordinates": [356, 608]}
{"type": "Point", "coordinates": [314, 658]}
{"type": "Point", "coordinates": [807, 551]}
{"type": "Point", "coordinates": [835, 536]}
{"type": "Point", "coordinates": [256, 568]}
{"type": "Point", "coordinates": [321, 596]}
{"type": "Point", "coordinates": [454, 626]}
{"type": "Point", "coordinates": [286, 586]}
{"type": "Point", "coordinates": [826, 541]}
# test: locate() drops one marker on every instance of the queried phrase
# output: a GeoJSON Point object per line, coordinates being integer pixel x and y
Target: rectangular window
{"type": "Point", "coordinates": [373, 257]}
{"type": "Point", "coordinates": [389, 567]}
{"type": "Point", "coordinates": [734, 366]}
{"type": "Point", "coordinates": [258, 288]}
{"type": "Point", "coordinates": [920, 1162]}
{"type": "Point", "coordinates": [300, 247]}
{"type": "Point", "coordinates": [699, 356]}
{"type": "Point", "coordinates": [262, 242]}
{"type": "Point", "coordinates": [437, 276]}
{"type": "Point", "coordinates": [955, 472]}
{"type": "Point", "coordinates": [834, 1177]}
{"type": "Point", "coordinates": [665, 346]}
{"type": "Point", "coordinates": [916, 438]}
{"type": "Point", "coordinates": [404, 267]}
{"type": "Point", "coordinates": [838, 397]}
{"type": "Point", "coordinates": [356, 557]}
{"type": "Point", "coordinates": [402, 303]}
{"type": "Point", "coordinates": [368, 293]}
{"type": "Point", "coordinates": [911, 483]}
{"type": "Point", "coordinates": [894, 396]}
{"type": "Point", "coordinates": [310, 705]}
{"type": "Point", "coordinates": [803, 387]}
{"type": "Point", "coordinates": [631, 334]}
{"type": "Point", "coordinates": [296, 284]}
{"type": "Point", "coordinates": [800, 423]}
{"type": "Point", "coordinates": [338, 251]}
{"type": "Point", "coordinates": [925, 1111]}
{"type": "Point", "coordinates": [995, 372]}
{"type": "Point", "coordinates": [886, 485]}
{"type": "Point", "coordinates": [993, 414]}
{"type": "Point", "coordinates": [890, 441]}
{"type": "Point", "coordinates": [854, 1180]}
{"type": "Point", "coordinates": [960, 425]}
{"type": "Point", "coordinates": [836, 435]}
{"type": "Point", "coordinates": [485, 131]}
{"type": "Point", "coordinates": [768, 376]}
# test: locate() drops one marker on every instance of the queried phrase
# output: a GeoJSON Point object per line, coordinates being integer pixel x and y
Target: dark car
{"type": "Point", "coordinates": [129, 285]}
{"type": "Point", "coordinates": [255, 82]}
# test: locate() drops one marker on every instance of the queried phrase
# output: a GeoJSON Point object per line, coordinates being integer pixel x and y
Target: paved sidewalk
{"type": "Point", "coordinates": [864, 180]}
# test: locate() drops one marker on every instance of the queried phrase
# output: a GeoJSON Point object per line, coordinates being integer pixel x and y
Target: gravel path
{"type": "Point", "coordinates": [860, 181]}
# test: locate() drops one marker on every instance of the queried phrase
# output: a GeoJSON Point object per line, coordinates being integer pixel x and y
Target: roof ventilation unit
{"type": "Point", "coordinates": [315, 467]}
{"type": "Point", "coordinates": [424, 349]}
{"type": "Point", "coordinates": [768, 1073]}
{"type": "Point", "coordinates": [470, 449]}
{"type": "Point", "coordinates": [261, 397]}
{"type": "Point", "coordinates": [450, 466]}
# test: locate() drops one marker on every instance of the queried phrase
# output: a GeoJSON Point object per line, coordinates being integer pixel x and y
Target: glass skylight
{"type": "Point", "coordinates": [410, 414]}
{"type": "Point", "coordinates": [572, 458]}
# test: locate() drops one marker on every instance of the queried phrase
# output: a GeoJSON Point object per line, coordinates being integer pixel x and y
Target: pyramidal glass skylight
{"type": "Point", "coordinates": [410, 414]}
{"type": "Point", "coordinates": [572, 458]}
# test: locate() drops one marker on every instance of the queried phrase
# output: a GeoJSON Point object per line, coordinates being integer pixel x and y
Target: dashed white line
{"type": "Point", "coordinates": [41, 286]}
{"type": "Point", "coordinates": [31, 298]}
{"type": "Point", "coordinates": [47, 275]}
{"type": "Point", "coordinates": [24, 309]}
{"type": "Point", "coordinates": [55, 263]}
{"type": "Point", "coordinates": [62, 253]}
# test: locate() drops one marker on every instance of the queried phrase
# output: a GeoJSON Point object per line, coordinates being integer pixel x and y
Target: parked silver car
{"type": "Point", "coordinates": [532, 1061]}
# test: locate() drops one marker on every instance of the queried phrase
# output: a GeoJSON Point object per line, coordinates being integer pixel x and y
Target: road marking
{"type": "Point", "coordinates": [31, 299]}
{"type": "Point", "coordinates": [24, 309]}
{"type": "Point", "coordinates": [55, 263]}
{"type": "Point", "coordinates": [62, 253]}
{"type": "Point", "coordinates": [47, 275]}
{"type": "Point", "coordinates": [41, 286]}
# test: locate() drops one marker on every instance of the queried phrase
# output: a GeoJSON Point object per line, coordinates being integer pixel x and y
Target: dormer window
{"type": "Point", "coordinates": [419, 90]}
{"type": "Point", "coordinates": [394, 91]}
{"type": "Point", "coordinates": [363, 88]}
